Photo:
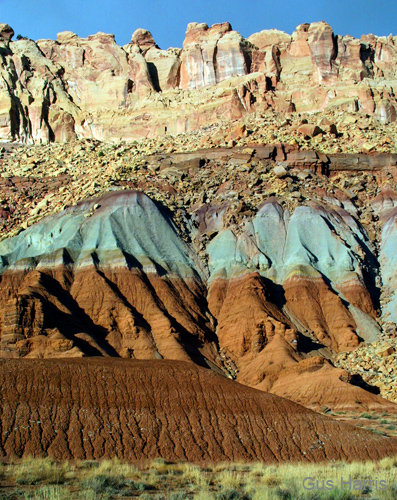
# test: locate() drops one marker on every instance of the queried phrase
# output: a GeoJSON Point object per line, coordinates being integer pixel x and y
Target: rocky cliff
{"type": "Point", "coordinates": [93, 88]}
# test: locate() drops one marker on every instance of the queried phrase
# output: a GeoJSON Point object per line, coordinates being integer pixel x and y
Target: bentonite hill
{"type": "Point", "coordinates": [223, 217]}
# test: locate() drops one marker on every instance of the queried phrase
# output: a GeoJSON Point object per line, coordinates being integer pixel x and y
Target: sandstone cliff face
{"type": "Point", "coordinates": [75, 87]}
{"type": "Point", "coordinates": [212, 55]}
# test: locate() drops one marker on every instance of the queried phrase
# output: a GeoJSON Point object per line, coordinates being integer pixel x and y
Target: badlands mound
{"type": "Point", "coordinates": [112, 276]}
{"type": "Point", "coordinates": [95, 408]}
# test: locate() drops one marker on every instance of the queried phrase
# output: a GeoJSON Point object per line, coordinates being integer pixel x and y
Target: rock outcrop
{"type": "Point", "coordinates": [93, 88]}
{"type": "Point", "coordinates": [212, 55]}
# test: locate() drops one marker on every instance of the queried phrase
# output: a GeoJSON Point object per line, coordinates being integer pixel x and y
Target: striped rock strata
{"type": "Point", "coordinates": [113, 277]}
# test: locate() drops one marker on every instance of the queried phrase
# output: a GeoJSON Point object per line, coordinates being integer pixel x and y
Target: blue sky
{"type": "Point", "coordinates": [168, 20]}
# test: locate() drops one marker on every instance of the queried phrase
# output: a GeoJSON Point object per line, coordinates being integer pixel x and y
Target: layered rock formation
{"type": "Point", "coordinates": [91, 87]}
{"type": "Point", "coordinates": [113, 277]}
{"type": "Point", "coordinates": [267, 257]}
{"type": "Point", "coordinates": [109, 278]}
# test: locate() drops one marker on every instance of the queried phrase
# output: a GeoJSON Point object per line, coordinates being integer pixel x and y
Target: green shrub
{"type": "Point", "coordinates": [102, 483]}
{"type": "Point", "coordinates": [231, 494]}
{"type": "Point", "coordinates": [178, 496]}
{"type": "Point", "coordinates": [368, 416]}
{"type": "Point", "coordinates": [139, 485]}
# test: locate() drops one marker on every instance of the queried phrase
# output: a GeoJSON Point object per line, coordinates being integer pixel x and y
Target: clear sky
{"type": "Point", "coordinates": [167, 20]}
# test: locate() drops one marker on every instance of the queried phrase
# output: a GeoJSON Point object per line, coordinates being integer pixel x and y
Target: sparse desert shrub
{"type": "Point", "coordinates": [368, 416]}
{"type": "Point", "coordinates": [287, 491]}
{"type": "Point", "coordinates": [92, 495]}
{"type": "Point", "coordinates": [204, 495]}
{"type": "Point", "coordinates": [388, 463]}
{"type": "Point", "coordinates": [87, 464]}
{"type": "Point", "coordinates": [162, 496]}
{"type": "Point", "coordinates": [40, 470]}
{"type": "Point", "coordinates": [116, 467]}
{"type": "Point", "coordinates": [195, 475]}
{"type": "Point", "coordinates": [378, 431]}
{"type": "Point", "coordinates": [271, 475]}
{"type": "Point", "coordinates": [9, 496]}
{"type": "Point", "coordinates": [104, 483]}
{"type": "Point", "coordinates": [160, 466]}
{"type": "Point", "coordinates": [139, 485]}
{"type": "Point", "coordinates": [338, 494]}
{"type": "Point", "coordinates": [257, 469]}
{"type": "Point", "coordinates": [178, 495]}
{"type": "Point", "coordinates": [48, 493]}
{"type": "Point", "coordinates": [390, 493]}
{"type": "Point", "coordinates": [109, 477]}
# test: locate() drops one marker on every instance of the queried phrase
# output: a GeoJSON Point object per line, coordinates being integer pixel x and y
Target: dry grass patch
{"type": "Point", "coordinates": [40, 470]}
{"type": "Point", "coordinates": [114, 479]}
{"type": "Point", "coordinates": [109, 478]}
{"type": "Point", "coordinates": [48, 493]}
{"type": "Point", "coordinates": [195, 475]}
{"type": "Point", "coordinates": [229, 479]}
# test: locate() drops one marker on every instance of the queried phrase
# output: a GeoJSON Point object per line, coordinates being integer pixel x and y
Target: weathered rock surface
{"type": "Point", "coordinates": [211, 55]}
{"type": "Point", "coordinates": [92, 409]}
{"type": "Point", "coordinates": [6, 32]}
{"type": "Point", "coordinates": [93, 88]}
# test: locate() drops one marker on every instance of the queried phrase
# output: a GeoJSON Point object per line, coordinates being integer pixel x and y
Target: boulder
{"type": "Point", "coordinates": [6, 33]}
{"type": "Point", "coordinates": [309, 130]}
{"type": "Point", "coordinates": [280, 171]}
{"type": "Point", "coordinates": [143, 39]}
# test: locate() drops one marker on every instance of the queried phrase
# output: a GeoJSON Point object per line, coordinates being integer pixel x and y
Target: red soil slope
{"type": "Point", "coordinates": [97, 407]}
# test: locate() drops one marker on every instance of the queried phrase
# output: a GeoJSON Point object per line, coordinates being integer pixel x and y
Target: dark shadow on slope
{"type": "Point", "coordinates": [274, 291]}
{"type": "Point", "coordinates": [371, 266]}
{"type": "Point", "coordinates": [359, 382]}
{"type": "Point", "coordinates": [306, 345]}
{"type": "Point", "coordinates": [75, 322]}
